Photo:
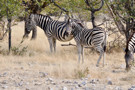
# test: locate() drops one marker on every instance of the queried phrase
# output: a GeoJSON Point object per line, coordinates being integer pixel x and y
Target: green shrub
{"type": "Point", "coordinates": [19, 51]}
{"type": "Point", "coordinates": [80, 73]}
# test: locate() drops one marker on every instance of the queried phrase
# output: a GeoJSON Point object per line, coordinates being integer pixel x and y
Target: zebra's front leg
{"type": "Point", "coordinates": [101, 53]}
{"type": "Point", "coordinates": [79, 52]}
{"type": "Point", "coordinates": [51, 44]}
{"type": "Point", "coordinates": [54, 44]}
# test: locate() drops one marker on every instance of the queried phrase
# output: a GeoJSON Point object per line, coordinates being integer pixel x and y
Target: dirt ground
{"type": "Point", "coordinates": [39, 69]}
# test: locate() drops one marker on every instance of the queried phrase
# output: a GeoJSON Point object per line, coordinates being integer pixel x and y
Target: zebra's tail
{"type": "Point", "coordinates": [105, 48]}
{"type": "Point", "coordinates": [105, 41]}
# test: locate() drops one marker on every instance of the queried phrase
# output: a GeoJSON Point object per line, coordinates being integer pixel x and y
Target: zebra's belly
{"type": "Point", "coordinates": [64, 38]}
{"type": "Point", "coordinates": [86, 44]}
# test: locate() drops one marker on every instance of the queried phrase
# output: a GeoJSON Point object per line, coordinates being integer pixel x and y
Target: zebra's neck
{"type": "Point", "coordinates": [42, 20]}
{"type": "Point", "coordinates": [77, 30]}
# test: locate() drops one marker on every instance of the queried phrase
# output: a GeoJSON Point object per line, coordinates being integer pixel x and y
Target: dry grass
{"type": "Point", "coordinates": [63, 64]}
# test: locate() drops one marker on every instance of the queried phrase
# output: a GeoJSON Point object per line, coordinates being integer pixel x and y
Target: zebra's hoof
{"type": "Point", "coordinates": [97, 65]}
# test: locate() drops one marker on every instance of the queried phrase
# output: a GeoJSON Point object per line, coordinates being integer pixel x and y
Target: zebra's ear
{"type": "Point", "coordinates": [69, 20]}
{"type": "Point", "coordinates": [80, 24]}
{"type": "Point", "coordinates": [32, 16]}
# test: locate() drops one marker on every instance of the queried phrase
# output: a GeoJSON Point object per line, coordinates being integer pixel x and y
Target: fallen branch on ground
{"type": "Point", "coordinates": [70, 44]}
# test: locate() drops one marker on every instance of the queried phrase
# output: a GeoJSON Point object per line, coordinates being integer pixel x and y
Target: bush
{"type": "Point", "coordinates": [80, 73]}
{"type": "Point", "coordinates": [18, 51]}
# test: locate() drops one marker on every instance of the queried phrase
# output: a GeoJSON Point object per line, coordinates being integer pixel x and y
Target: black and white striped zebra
{"type": "Point", "coordinates": [129, 52]}
{"type": "Point", "coordinates": [95, 37]}
{"type": "Point", "coordinates": [53, 29]}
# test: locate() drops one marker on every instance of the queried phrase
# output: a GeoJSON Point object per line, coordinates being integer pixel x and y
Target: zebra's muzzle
{"type": "Point", "coordinates": [128, 68]}
{"type": "Point", "coordinates": [25, 36]}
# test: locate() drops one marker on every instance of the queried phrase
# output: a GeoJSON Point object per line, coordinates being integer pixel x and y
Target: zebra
{"type": "Point", "coordinates": [54, 29]}
{"type": "Point", "coordinates": [129, 52]}
{"type": "Point", "coordinates": [95, 37]}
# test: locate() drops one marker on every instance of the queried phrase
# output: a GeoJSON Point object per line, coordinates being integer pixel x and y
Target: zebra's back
{"type": "Point", "coordinates": [59, 30]}
{"type": "Point", "coordinates": [91, 37]}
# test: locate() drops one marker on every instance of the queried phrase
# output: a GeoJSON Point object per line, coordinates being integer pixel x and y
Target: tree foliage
{"type": "Point", "coordinates": [35, 6]}
{"type": "Point", "coordinates": [70, 5]}
{"type": "Point", "coordinates": [10, 8]}
{"type": "Point", "coordinates": [78, 7]}
{"type": "Point", "coordinates": [123, 12]}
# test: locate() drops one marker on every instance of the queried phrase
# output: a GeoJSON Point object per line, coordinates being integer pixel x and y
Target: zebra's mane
{"type": "Point", "coordinates": [43, 15]}
{"type": "Point", "coordinates": [78, 28]}
{"type": "Point", "coordinates": [80, 24]}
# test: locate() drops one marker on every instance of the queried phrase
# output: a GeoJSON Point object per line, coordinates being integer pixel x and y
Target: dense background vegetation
{"type": "Point", "coordinates": [122, 12]}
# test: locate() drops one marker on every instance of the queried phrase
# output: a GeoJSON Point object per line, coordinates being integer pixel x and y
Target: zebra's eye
{"type": "Point", "coordinates": [73, 26]}
{"type": "Point", "coordinates": [29, 22]}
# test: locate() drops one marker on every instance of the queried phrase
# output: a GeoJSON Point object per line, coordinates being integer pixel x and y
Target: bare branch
{"type": "Point", "coordinates": [93, 10]}
{"type": "Point", "coordinates": [63, 9]}
{"type": "Point", "coordinates": [86, 1]}
{"type": "Point", "coordinates": [100, 24]}
{"type": "Point", "coordinates": [97, 3]}
{"type": "Point", "coordinates": [123, 18]}
{"type": "Point", "coordinates": [91, 6]}
{"type": "Point", "coordinates": [102, 3]}
{"type": "Point", "coordinates": [44, 5]}
{"type": "Point", "coordinates": [118, 23]}
{"type": "Point", "coordinates": [4, 35]}
{"type": "Point", "coordinates": [60, 15]}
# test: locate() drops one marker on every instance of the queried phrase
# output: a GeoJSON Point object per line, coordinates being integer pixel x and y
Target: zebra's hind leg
{"type": "Point", "coordinates": [101, 53]}
{"type": "Point", "coordinates": [82, 52]}
{"type": "Point", "coordinates": [51, 44]}
{"type": "Point", "coordinates": [104, 56]}
{"type": "Point", "coordinates": [54, 44]}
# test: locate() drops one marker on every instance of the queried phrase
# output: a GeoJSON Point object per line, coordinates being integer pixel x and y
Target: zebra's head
{"type": "Point", "coordinates": [129, 59]}
{"type": "Point", "coordinates": [30, 24]}
{"type": "Point", "coordinates": [76, 25]}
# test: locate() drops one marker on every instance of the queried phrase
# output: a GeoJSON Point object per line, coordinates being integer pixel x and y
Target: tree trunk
{"type": "Point", "coordinates": [93, 10]}
{"type": "Point", "coordinates": [9, 37]}
{"type": "Point", "coordinates": [93, 19]}
{"type": "Point", "coordinates": [8, 25]}
{"type": "Point", "coordinates": [127, 34]}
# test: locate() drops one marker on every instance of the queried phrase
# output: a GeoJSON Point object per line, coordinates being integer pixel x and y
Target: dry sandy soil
{"type": "Point", "coordinates": [39, 69]}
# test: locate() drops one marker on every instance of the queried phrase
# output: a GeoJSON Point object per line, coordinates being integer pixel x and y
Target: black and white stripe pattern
{"type": "Point", "coordinates": [53, 29]}
{"type": "Point", "coordinates": [129, 51]}
{"type": "Point", "coordinates": [95, 37]}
